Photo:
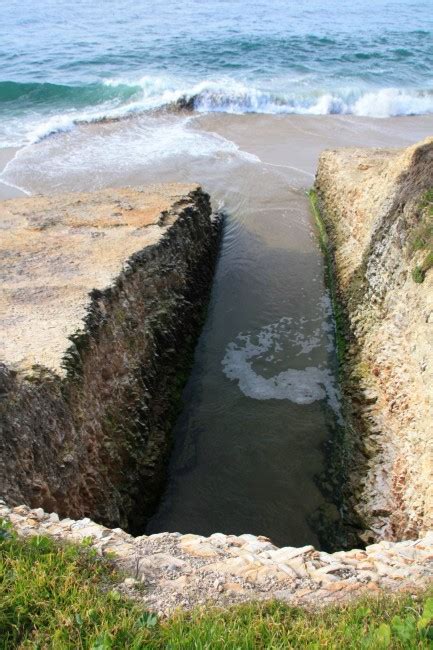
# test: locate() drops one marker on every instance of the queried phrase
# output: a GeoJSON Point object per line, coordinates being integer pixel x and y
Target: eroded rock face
{"type": "Point", "coordinates": [188, 570]}
{"type": "Point", "coordinates": [373, 202]}
{"type": "Point", "coordinates": [103, 299]}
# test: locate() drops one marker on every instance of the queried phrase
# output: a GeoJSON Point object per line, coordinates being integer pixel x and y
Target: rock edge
{"type": "Point", "coordinates": [86, 432]}
{"type": "Point", "coordinates": [373, 202]}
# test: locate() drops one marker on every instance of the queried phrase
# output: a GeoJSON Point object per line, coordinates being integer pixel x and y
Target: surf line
{"type": "Point", "coordinates": [8, 183]}
{"type": "Point", "coordinates": [296, 169]}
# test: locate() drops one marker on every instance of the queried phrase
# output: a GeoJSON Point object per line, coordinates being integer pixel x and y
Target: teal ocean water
{"type": "Point", "coordinates": [63, 63]}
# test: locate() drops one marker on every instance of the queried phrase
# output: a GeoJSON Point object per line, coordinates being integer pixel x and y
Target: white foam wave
{"type": "Point", "coordinates": [89, 159]}
{"type": "Point", "coordinates": [387, 102]}
{"type": "Point", "coordinates": [285, 96]}
{"type": "Point", "coordinates": [300, 385]}
{"type": "Point", "coordinates": [55, 124]}
{"type": "Point", "coordinates": [393, 102]}
{"type": "Point", "coordinates": [225, 95]}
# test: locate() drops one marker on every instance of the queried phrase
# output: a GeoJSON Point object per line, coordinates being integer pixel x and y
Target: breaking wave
{"type": "Point", "coordinates": [46, 109]}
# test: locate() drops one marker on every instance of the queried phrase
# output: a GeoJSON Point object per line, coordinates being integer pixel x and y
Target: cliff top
{"type": "Point", "coordinates": [55, 250]}
{"type": "Point", "coordinates": [377, 206]}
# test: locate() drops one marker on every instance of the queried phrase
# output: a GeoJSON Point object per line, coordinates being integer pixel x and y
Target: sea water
{"type": "Point", "coordinates": [63, 62]}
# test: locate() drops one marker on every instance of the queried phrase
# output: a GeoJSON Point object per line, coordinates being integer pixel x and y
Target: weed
{"type": "Point", "coordinates": [422, 237]}
{"type": "Point", "coordinates": [340, 339]}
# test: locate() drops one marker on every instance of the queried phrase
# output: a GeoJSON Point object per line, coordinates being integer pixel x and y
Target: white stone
{"type": "Point", "coordinates": [288, 570]}
{"type": "Point", "coordinates": [161, 561]}
{"type": "Point", "coordinates": [81, 523]}
{"type": "Point", "coordinates": [248, 538]}
{"type": "Point", "coordinates": [331, 568]}
{"type": "Point", "coordinates": [94, 531]}
{"type": "Point", "coordinates": [38, 513]}
{"type": "Point", "coordinates": [258, 547]}
{"type": "Point", "coordinates": [427, 539]}
{"type": "Point", "coordinates": [130, 582]}
{"type": "Point", "coordinates": [288, 553]}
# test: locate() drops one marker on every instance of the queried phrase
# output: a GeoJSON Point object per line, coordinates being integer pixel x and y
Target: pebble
{"type": "Point", "coordinates": [130, 582]}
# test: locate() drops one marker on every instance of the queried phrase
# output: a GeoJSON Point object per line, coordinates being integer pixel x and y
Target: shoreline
{"type": "Point", "coordinates": [288, 143]}
{"type": "Point", "coordinates": [8, 191]}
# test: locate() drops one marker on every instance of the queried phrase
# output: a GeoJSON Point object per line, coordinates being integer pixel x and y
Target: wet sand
{"type": "Point", "coordinates": [8, 191]}
{"type": "Point", "coordinates": [295, 141]}
{"type": "Point", "coordinates": [290, 142]}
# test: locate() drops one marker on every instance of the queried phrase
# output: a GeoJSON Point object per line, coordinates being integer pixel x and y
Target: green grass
{"type": "Point", "coordinates": [422, 238]}
{"type": "Point", "coordinates": [61, 596]}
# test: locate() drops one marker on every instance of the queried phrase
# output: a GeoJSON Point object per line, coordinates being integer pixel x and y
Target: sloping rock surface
{"type": "Point", "coordinates": [102, 299]}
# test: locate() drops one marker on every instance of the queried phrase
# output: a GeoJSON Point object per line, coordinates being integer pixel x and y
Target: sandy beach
{"type": "Point", "coordinates": [193, 147]}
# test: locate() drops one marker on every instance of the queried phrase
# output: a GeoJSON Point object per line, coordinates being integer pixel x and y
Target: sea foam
{"type": "Point", "coordinates": [130, 97]}
{"type": "Point", "coordinates": [266, 347]}
{"type": "Point", "coordinates": [85, 160]}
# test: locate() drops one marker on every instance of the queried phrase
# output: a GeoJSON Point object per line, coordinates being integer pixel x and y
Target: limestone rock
{"type": "Point", "coordinates": [98, 291]}
{"type": "Point", "coordinates": [373, 204]}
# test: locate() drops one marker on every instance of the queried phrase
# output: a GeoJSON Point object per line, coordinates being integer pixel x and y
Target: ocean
{"type": "Point", "coordinates": [62, 63]}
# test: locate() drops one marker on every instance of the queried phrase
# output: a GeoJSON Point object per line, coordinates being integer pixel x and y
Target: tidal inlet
{"type": "Point", "coordinates": [216, 365]}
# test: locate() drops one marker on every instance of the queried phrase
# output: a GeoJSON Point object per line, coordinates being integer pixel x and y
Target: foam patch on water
{"type": "Point", "coordinates": [268, 346]}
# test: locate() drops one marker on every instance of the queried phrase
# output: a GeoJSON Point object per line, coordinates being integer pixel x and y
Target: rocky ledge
{"type": "Point", "coordinates": [170, 570]}
{"type": "Point", "coordinates": [103, 296]}
{"type": "Point", "coordinates": [377, 207]}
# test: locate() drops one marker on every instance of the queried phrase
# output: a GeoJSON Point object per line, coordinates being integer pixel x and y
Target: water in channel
{"type": "Point", "coordinates": [262, 397]}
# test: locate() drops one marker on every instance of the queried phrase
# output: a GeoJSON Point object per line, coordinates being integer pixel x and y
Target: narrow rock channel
{"type": "Point", "coordinates": [262, 397]}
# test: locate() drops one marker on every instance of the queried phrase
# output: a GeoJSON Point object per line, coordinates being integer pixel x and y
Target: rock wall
{"type": "Point", "coordinates": [104, 296]}
{"type": "Point", "coordinates": [188, 570]}
{"type": "Point", "coordinates": [378, 212]}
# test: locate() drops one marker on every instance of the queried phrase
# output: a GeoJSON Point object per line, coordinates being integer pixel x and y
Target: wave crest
{"type": "Point", "coordinates": [45, 109]}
